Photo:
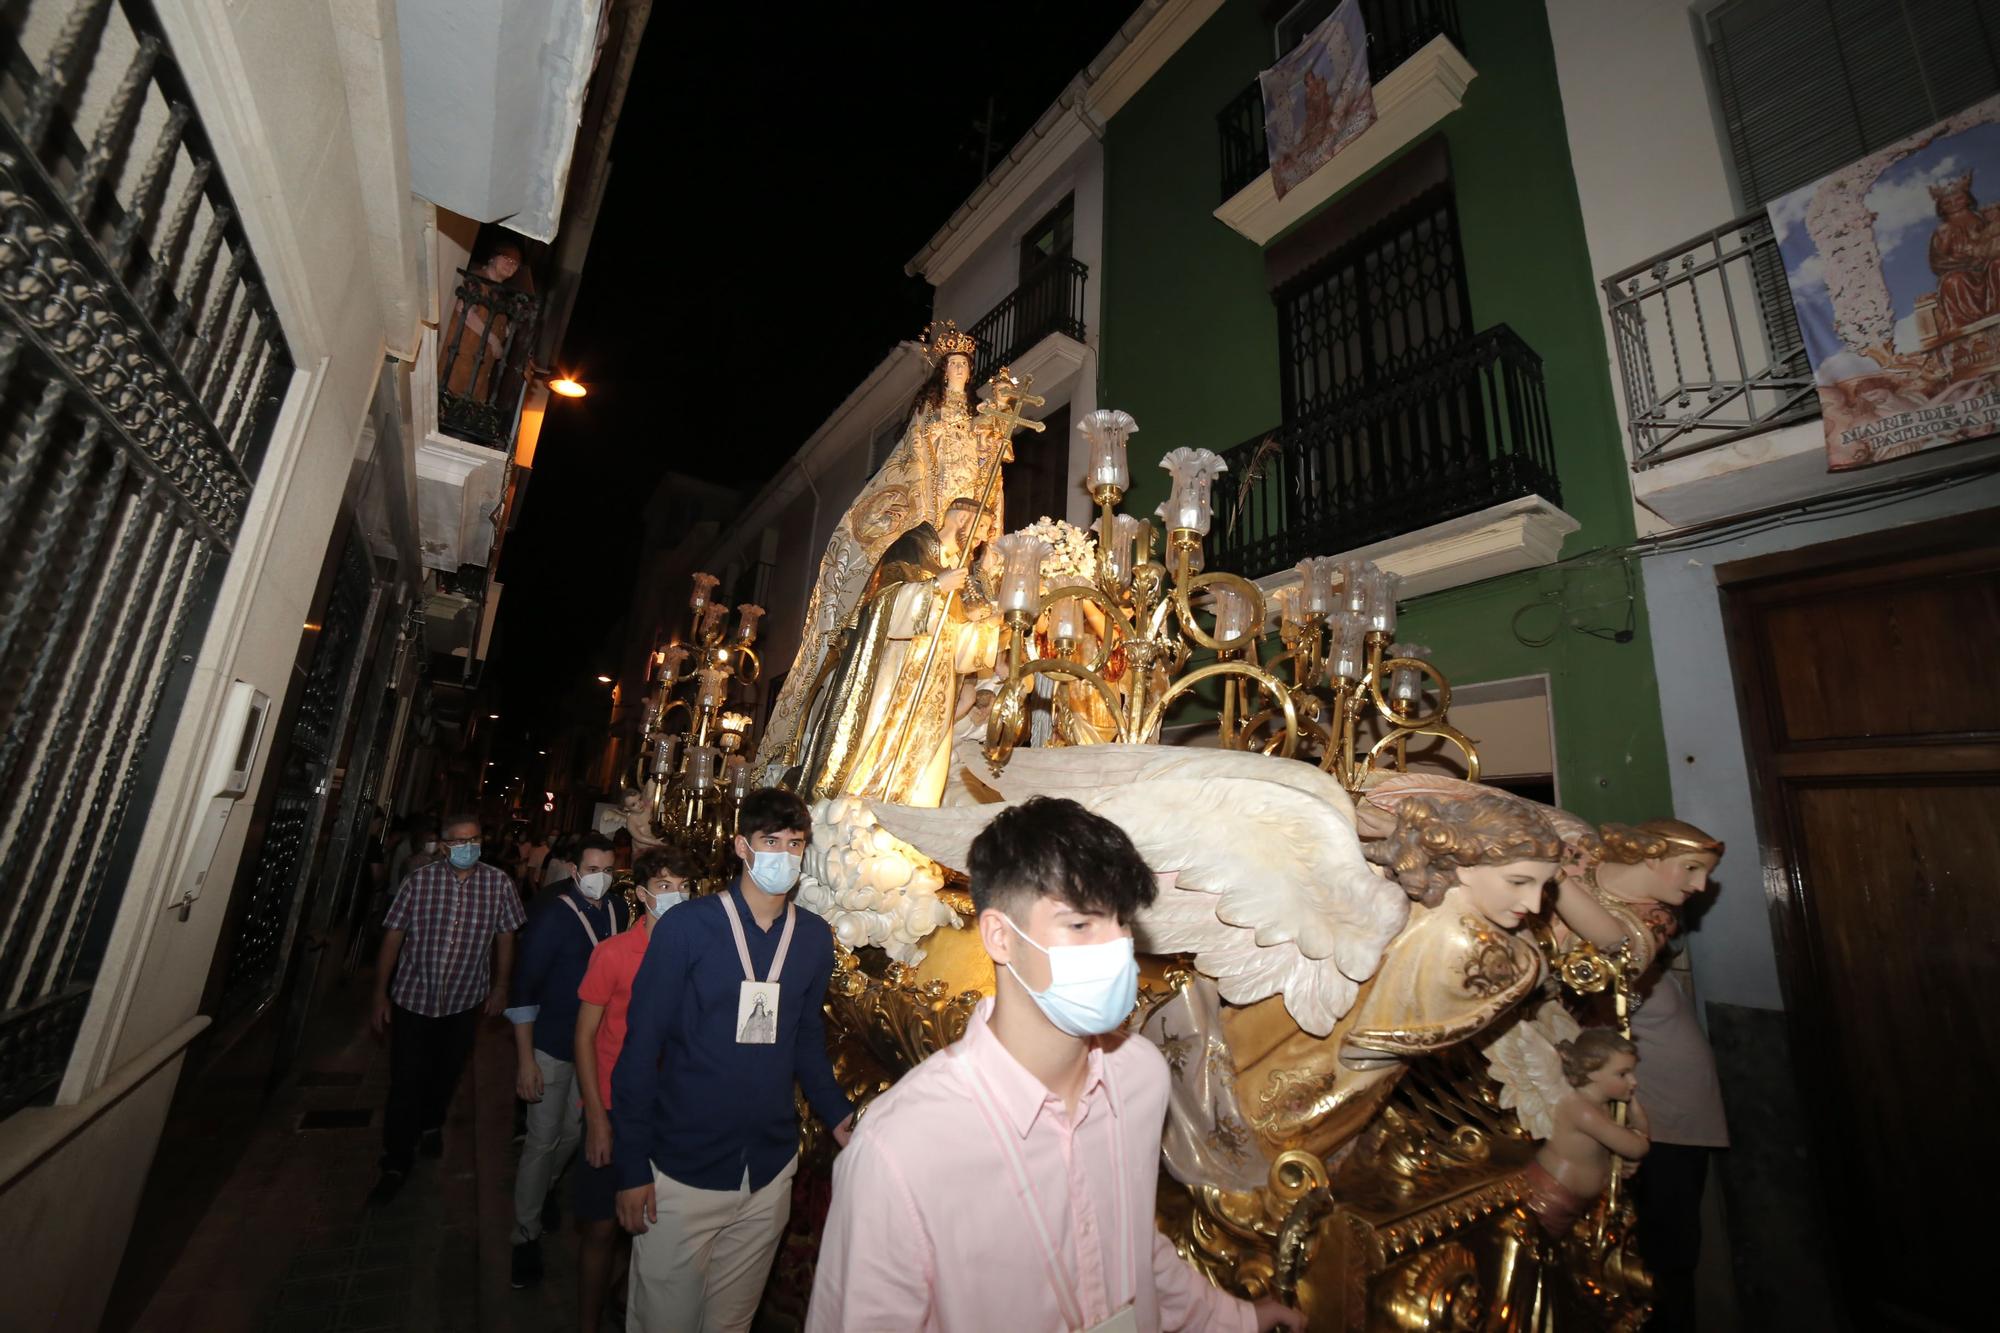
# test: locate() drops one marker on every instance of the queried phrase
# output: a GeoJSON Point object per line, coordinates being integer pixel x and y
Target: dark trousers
{"type": "Point", "coordinates": [425, 1056]}
{"type": "Point", "coordinates": [1667, 1192]}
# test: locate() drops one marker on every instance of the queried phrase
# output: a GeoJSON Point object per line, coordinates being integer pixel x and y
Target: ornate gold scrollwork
{"type": "Point", "coordinates": [1299, 1180]}
{"type": "Point", "coordinates": [1439, 1292]}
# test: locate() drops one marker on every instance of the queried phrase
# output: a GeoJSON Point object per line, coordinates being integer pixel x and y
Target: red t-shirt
{"type": "Point", "coordinates": [607, 982]}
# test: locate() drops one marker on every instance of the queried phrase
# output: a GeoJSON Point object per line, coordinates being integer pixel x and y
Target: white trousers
{"type": "Point", "coordinates": [555, 1127]}
{"type": "Point", "coordinates": [701, 1267]}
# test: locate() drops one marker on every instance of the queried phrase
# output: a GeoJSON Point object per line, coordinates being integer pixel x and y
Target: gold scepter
{"type": "Point", "coordinates": [1002, 416]}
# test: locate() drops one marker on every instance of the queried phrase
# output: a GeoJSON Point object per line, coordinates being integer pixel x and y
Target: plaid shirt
{"type": "Point", "coordinates": [446, 963]}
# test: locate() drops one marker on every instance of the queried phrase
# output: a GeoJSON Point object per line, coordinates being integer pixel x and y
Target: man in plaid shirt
{"type": "Point", "coordinates": [454, 915]}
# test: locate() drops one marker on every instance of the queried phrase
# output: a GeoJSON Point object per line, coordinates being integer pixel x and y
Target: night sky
{"type": "Point", "coordinates": [769, 182]}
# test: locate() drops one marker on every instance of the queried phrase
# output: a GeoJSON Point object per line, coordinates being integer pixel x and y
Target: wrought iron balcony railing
{"type": "Point", "coordinates": [1049, 300]}
{"type": "Point", "coordinates": [1397, 30]}
{"type": "Point", "coordinates": [1708, 343]}
{"type": "Point", "coordinates": [483, 360]}
{"type": "Point", "coordinates": [1464, 432]}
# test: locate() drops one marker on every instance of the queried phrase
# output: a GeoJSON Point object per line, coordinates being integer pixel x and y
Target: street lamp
{"type": "Point", "coordinates": [604, 680]}
{"type": "Point", "coordinates": [567, 387]}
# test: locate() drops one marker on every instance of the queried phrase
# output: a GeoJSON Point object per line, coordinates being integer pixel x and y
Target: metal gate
{"type": "Point", "coordinates": [266, 906]}
{"type": "Point", "coordinates": [141, 368]}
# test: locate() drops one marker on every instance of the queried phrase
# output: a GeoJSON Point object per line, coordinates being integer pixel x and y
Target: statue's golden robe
{"type": "Point", "coordinates": [1448, 975]}
{"type": "Point", "coordinates": [940, 458]}
{"type": "Point", "coordinates": [877, 736]}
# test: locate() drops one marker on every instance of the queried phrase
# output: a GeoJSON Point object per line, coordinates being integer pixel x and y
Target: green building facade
{"type": "Point", "coordinates": [1190, 345]}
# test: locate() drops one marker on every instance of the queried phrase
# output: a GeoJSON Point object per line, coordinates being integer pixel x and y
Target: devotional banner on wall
{"type": "Point", "coordinates": [1318, 98]}
{"type": "Point", "coordinates": [1894, 267]}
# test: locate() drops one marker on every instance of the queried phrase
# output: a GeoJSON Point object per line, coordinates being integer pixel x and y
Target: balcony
{"type": "Point", "coordinates": [1048, 302]}
{"type": "Point", "coordinates": [1719, 402]}
{"type": "Point", "coordinates": [1457, 453]}
{"type": "Point", "coordinates": [483, 360]}
{"type": "Point", "coordinates": [1420, 75]}
{"type": "Point", "coordinates": [1708, 345]}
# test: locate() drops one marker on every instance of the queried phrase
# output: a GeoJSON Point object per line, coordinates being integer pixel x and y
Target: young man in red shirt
{"type": "Point", "coordinates": [663, 878]}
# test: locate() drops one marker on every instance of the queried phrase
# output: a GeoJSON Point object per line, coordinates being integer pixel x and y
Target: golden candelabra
{"type": "Point", "coordinates": [695, 767]}
{"type": "Point", "coordinates": [1334, 637]}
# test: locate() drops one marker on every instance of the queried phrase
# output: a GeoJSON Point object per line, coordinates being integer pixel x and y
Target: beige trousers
{"type": "Point", "coordinates": [701, 1267]}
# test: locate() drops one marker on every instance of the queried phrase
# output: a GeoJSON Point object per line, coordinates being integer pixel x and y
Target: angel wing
{"type": "Point", "coordinates": [1523, 1060]}
{"type": "Point", "coordinates": [1263, 877]}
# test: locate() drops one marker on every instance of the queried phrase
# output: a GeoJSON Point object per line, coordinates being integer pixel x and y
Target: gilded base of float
{"type": "Point", "coordinates": [1417, 1226]}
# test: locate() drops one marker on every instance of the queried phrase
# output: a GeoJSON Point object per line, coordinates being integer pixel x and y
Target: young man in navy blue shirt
{"type": "Point", "coordinates": [556, 944]}
{"type": "Point", "coordinates": [724, 1019]}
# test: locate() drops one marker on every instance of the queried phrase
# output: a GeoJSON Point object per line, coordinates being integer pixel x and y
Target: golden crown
{"type": "Point", "coordinates": [945, 340]}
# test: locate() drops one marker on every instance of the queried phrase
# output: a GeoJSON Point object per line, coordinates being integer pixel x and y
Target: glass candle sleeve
{"type": "Point", "coordinates": [1021, 577]}
{"type": "Point", "coordinates": [1349, 659]}
{"type": "Point", "coordinates": [701, 764]}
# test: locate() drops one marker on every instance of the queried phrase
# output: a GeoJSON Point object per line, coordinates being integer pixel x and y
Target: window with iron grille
{"type": "Point", "coordinates": [141, 369]}
{"type": "Point", "coordinates": [1384, 304]}
{"type": "Point", "coordinates": [1807, 86]}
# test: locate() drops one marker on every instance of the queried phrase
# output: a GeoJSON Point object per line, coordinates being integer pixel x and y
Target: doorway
{"type": "Point", "coordinates": [1864, 669]}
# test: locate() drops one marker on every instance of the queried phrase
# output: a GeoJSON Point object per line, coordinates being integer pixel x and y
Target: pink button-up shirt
{"type": "Point", "coordinates": [928, 1229]}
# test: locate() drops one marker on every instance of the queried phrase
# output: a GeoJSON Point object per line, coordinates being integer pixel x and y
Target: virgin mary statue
{"type": "Point", "coordinates": [940, 458]}
{"type": "Point", "coordinates": [883, 725]}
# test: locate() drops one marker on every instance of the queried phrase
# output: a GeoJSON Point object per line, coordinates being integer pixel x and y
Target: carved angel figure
{"type": "Point", "coordinates": [1629, 893]}
{"type": "Point", "coordinates": [1476, 870]}
{"type": "Point", "coordinates": [1332, 975]}
{"type": "Point", "coordinates": [1574, 1164]}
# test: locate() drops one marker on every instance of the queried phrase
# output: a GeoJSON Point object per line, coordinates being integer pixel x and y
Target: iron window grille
{"type": "Point", "coordinates": [141, 370]}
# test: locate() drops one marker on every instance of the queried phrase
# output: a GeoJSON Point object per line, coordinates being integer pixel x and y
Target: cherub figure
{"type": "Point", "coordinates": [1574, 1165]}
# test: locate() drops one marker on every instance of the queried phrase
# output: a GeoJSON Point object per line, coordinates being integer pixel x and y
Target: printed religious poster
{"type": "Point", "coordinates": [1894, 266]}
{"type": "Point", "coordinates": [1318, 98]}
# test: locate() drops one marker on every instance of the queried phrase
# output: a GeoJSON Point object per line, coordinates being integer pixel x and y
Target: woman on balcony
{"type": "Point", "coordinates": [474, 351]}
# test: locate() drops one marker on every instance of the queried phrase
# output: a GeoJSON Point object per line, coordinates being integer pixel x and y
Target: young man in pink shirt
{"type": "Point", "coordinates": [1008, 1180]}
{"type": "Point", "coordinates": [604, 996]}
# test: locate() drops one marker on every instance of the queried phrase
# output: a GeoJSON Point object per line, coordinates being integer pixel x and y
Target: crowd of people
{"type": "Point", "coordinates": [664, 1039]}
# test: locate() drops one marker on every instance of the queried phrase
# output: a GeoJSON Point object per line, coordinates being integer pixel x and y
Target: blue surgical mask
{"type": "Point", "coordinates": [464, 855]}
{"type": "Point", "coordinates": [1092, 987]}
{"type": "Point", "coordinates": [658, 903]}
{"type": "Point", "coordinates": [774, 872]}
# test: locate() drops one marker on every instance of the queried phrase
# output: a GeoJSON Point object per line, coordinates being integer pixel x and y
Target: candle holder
{"type": "Point", "coordinates": [704, 586]}
{"type": "Point", "coordinates": [1147, 609]}
{"type": "Point", "coordinates": [1333, 633]}
{"type": "Point", "coordinates": [1343, 667]}
{"type": "Point", "coordinates": [1107, 431]}
{"type": "Point", "coordinates": [693, 765]}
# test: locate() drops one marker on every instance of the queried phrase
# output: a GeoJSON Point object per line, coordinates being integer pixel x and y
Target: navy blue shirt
{"type": "Point", "coordinates": [685, 1095]}
{"type": "Point", "coordinates": [554, 954]}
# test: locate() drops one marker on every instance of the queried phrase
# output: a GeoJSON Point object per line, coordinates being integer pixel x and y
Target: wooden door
{"type": "Point", "coordinates": [1867, 671]}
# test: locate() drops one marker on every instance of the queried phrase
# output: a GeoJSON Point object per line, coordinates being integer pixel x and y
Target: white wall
{"type": "Point", "coordinates": [1650, 161]}
{"type": "Point", "coordinates": [992, 271]}
{"type": "Point", "coordinates": [985, 278]}
{"type": "Point", "coordinates": [271, 88]}
{"type": "Point", "coordinates": [1734, 959]}
{"type": "Point", "coordinates": [1647, 149]}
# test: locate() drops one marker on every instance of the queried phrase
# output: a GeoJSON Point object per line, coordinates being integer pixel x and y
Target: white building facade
{"type": "Point", "coordinates": [236, 451]}
{"type": "Point", "coordinates": [1682, 122]}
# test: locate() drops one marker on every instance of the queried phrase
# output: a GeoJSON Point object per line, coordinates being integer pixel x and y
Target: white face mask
{"type": "Point", "coordinates": [430, 845]}
{"type": "Point", "coordinates": [1092, 987]}
{"type": "Point", "coordinates": [661, 899]}
{"type": "Point", "coordinates": [774, 872]}
{"type": "Point", "coordinates": [593, 885]}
